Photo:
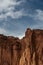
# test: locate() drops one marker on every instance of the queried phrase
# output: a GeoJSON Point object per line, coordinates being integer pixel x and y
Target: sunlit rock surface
{"type": "Point", "coordinates": [25, 51]}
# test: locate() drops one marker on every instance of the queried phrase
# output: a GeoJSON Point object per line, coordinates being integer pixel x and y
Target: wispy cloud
{"type": "Point", "coordinates": [12, 14]}
{"type": "Point", "coordinates": [7, 8]}
{"type": "Point", "coordinates": [5, 4]}
{"type": "Point", "coordinates": [37, 15]}
{"type": "Point", "coordinates": [2, 31]}
{"type": "Point", "coordinates": [12, 10]}
{"type": "Point", "coordinates": [8, 33]}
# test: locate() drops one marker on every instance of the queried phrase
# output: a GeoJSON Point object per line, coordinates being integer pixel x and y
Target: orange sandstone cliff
{"type": "Point", "coordinates": [25, 51]}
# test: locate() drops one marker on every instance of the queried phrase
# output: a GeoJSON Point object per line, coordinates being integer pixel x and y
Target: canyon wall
{"type": "Point", "coordinates": [25, 51]}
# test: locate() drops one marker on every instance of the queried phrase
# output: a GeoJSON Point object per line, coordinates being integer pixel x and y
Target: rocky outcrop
{"type": "Point", "coordinates": [25, 51]}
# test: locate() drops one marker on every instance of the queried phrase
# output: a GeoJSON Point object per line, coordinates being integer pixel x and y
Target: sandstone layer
{"type": "Point", "coordinates": [25, 51]}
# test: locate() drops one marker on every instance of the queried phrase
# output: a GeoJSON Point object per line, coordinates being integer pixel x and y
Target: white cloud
{"type": "Point", "coordinates": [38, 15]}
{"type": "Point", "coordinates": [7, 6]}
{"type": "Point", "coordinates": [37, 18]}
{"type": "Point", "coordinates": [37, 26]}
{"type": "Point", "coordinates": [15, 15]}
{"type": "Point", "coordinates": [8, 33]}
{"type": "Point", "coordinates": [2, 31]}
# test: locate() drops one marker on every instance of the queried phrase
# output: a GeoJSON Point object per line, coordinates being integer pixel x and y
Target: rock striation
{"type": "Point", "coordinates": [25, 51]}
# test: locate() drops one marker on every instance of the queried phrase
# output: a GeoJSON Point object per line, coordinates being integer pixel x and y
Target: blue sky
{"type": "Point", "coordinates": [17, 15]}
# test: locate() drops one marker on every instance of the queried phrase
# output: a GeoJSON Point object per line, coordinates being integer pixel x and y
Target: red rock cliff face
{"type": "Point", "coordinates": [27, 51]}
